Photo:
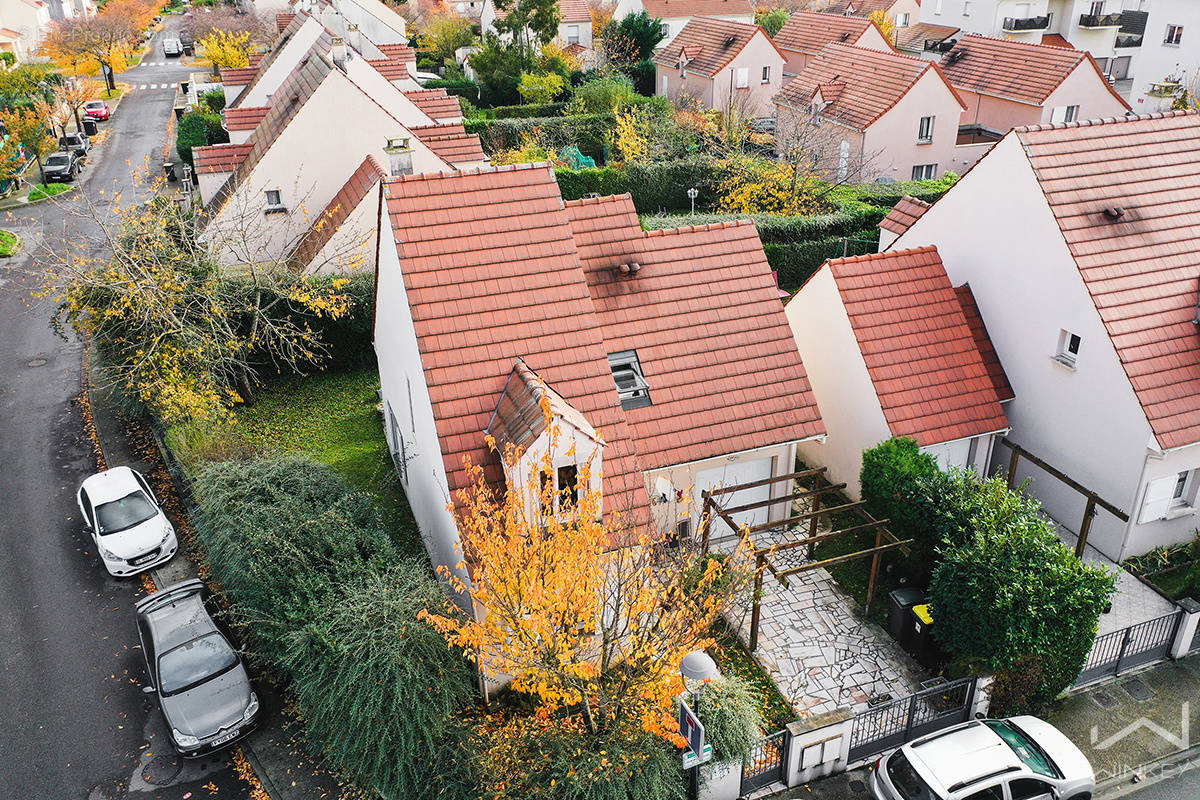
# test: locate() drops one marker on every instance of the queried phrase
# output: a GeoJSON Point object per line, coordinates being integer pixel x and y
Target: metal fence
{"type": "Point", "coordinates": [898, 721]}
{"type": "Point", "coordinates": [1120, 651]}
{"type": "Point", "coordinates": [765, 763]}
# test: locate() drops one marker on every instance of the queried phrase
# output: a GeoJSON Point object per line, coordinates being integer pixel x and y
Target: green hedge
{"type": "Point", "coordinates": [888, 194]}
{"type": "Point", "coordinates": [785, 228]}
{"type": "Point", "coordinates": [795, 262]}
{"type": "Point", "coordinates": [588, 131]}
{"type": "Point", "coordinates": [521, 112]}
{"type": "Point", "coordinates": [655, 187]}
{"type": "Point", "coordinates": [457, 88]}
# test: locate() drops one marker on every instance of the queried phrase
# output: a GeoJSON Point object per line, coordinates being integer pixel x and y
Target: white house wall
{"type": "Point", "coordinates": [995, 230]}
{"type": "Point", "coordinates": [850, 409]}
{"type": "Point", "coordinates": [1180, 525]}
{"type": "Point", "coordinates": [1155, 60]}
{"type": "Point", "coordinates": [387, 93]}
{"type": "Point", "coordinates": [351, 248]}
{"type": "Point", "coordinates": [278, 70]}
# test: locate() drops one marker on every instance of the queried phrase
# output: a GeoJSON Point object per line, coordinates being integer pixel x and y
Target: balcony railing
{"type": "Point", "coordinates": [1129, 40]}
{"type": "Point", "coordinates": [1100, 20]}
{"type": "Point", "coordinates": [1026, 23]}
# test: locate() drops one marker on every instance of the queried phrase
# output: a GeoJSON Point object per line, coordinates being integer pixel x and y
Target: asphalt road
{"type": "Point", "coordinates": [1175, 781]}
{"type": "Point", "coordinates": [74, 722]}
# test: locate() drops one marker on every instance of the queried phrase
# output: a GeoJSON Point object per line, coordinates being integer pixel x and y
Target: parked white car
{"type": "Point", "coordinates": [1023, 758]}
{"type": "Point", "coordinates": [126, 520]}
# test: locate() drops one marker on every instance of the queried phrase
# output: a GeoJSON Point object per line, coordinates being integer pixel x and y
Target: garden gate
{"type": "Point", "coordinates": [765, 764]}
{"type": "Point", "coordinates": [1119, 651]}
{"type": "Point", "coordinates": [898, 721]}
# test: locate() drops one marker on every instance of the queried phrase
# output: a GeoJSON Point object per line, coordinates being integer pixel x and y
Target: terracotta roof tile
{"type": "Point", "coordinates": [921, 355]}
{"type": "Point", "coordinates": [256, 58]}
{"type": "Point", "coordinates": [873, 81]}
{"type": "Point", "coordinates": [322, 45]}
{"type": "Point", "coordinates": [241, 76]}
{"type": "Point", "coordinates": [244, 119]}
{"type": "Point", "coordinates": [966, 299]}
{"type": "Point", "coordinates": [715, 43]}
{"type": "Point", "coordinates": [704, 316]}
{"type": "Point", "coordinates": [365, 178]}
{"type": "Point", "coordinates": [574, 11]}
{"type": "Point", "coordinates": [436, 104]}
{"type": "Point", "coordinates": [912, 38]}
{"type": "Point", "coordinates": [283, 20]}
{"type": "Point", "coordinates": [390, 69]}
{"type": "Point", "coordinates": [1142, 270]}
{"type": "Point", "coordinates": [808, 31]}
{"type": "Point", "coordinates": [859, 8]}
{"type": "Point", "coordinates": [1056, 40]}
{"type": "Point", "coordinates": [492, 275]}
{"type": "Point", "coordinates": [904, 214]}
{"type": "Point", "coordinates": [519, 419]}
{"type": "Point", "coordinates": [673, 9]}
{"type": "Point", "coordinates": [451, 142]}
{"type": "Point", "coordinates": [1020, 71]}
{"type": "Point", "coordinates": [398, 52]}
{"type": "Point", "coordinates": [215, 158]}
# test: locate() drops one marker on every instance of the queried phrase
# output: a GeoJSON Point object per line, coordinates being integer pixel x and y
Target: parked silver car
{"type": "Point", "coordinates": [1023, 758]}
{"type": "Point", "coordinates": [195, 670]}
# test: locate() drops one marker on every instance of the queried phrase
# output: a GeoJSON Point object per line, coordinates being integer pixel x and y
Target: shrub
{"type": "Point", "coordinates": [455, 87]}
{"type": "Point", "coordinates": [729, 711]}
{"type": "Point", "coordinates": [655, 187]}
{"type": "Point", "coordinates": [191, 133]}
{"type": "Point", "coordinates": [886, 195]}
{"type": "Point", "coordinates": [853, 219]}
{"type": "Point", "coordinates": [796, 262]}
{"type": "Point", "coordinates": [213, 100]}
{"type": "Point", "coordinates": [348, 338]}
{"type": "Point", "coordinates": [602, 94]}
{"type": "Point", "coordinates": [529, 110]}
{"type": "Point", "coordinates": [588, 132]}
{"type": "Point", "coordinates": [540, 87]}
{"type": "Point", "coordinates": [888, 472]}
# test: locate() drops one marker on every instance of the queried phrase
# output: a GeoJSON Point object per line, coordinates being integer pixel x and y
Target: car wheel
{"type": "Point", "coordinates": [1082, 796]}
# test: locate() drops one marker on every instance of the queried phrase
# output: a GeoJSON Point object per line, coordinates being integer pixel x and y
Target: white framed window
{"type": "Point", "coordinates": [843, 171]}
{"type": "Point", "coordinates": [665, 85]}
{"type": "Point", "coordinates": [902, 20]}
{"type": "Point", "coordinates": [1169, 497]}
{"type": "Point", "coordinates": [274, 200]}
{"type": "Point", "coordinates": [937, 7]}
{"type": "Point", "coordinates": [741, 78]}
{"type": "Point", "coordinates": [572, 34]}
{"type": "Point", "coordinates": [1064, 114]}
{"type": "Point", "coordinates": [925, 131]}
{"type": "Point", "coordinates": [1097, 8]}
{"type": "Point", "coordinates": [632, 387]}
{"type": "Point", "coordinates": [666, 30]}
{"type": "Point", "coordinates": [924, 172]}
{"type": "Point", "coordinates": [766, 75]}
{"type": "Point", "coordinates": [1067, 353]}
{"type": "Point", "coordinates": [1174, 35]}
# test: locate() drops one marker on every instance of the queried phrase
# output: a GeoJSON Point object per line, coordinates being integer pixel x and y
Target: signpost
{"type": "Point", "coordinates": [692, 729]}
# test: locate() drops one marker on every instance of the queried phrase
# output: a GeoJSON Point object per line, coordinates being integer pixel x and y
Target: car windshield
{"type": "Point", "coordinates": [57, 161]}
{"type": "Point", "coordinates": [908, 783]}
{"type": "Point", "coordinates": [191, 664]}
{"type": "Point", "coordinates": [118, 515]}
{"type": "Point", "coordinates": [1026, 749]}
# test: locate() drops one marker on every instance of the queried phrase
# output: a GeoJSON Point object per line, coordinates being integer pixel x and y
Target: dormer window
{"type": "Point", "coordinates": [632, 387]}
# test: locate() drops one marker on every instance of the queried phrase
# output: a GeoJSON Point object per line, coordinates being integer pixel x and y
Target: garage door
{"type": "Point", "coordinates": [733, 474]}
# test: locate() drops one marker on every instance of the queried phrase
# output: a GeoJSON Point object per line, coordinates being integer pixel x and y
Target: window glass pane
{"type": "Point", "coordinates": [1029, 789]}
{"type": "Point", "coordinates": [119, 515]}
{"type": "Point", "coordinates": [195, 662]}
{"type": "Point", "coordinates": [990, 793]}
{"type": "Point", "coordinates": [908, 783]}
{"type": "Point", "coordinates": [568, 483]}
{"type": "Point", "coordinates": [1026, 749]}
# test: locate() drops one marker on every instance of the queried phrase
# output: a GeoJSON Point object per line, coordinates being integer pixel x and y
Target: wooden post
{"type": "Point", "coordinates": [874, 569]}
{"type": "Point", "coordinates": [812, 523]}
{"type": "Point", "coordinates": [705, 522]}
{"type": "Point", "coordinates": [760, 562]}
{"type": "Point", "coordinates": [1012, 466]}
{"type": "Point", "coordinates": [1089, 511]}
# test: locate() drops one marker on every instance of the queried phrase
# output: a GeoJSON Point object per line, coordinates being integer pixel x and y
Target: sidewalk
{"type": "Point", "coordinates": [276, 752]}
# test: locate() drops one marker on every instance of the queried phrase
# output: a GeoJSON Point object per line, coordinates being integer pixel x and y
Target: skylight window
{"type": "Point", "coordinates": [632, 387]}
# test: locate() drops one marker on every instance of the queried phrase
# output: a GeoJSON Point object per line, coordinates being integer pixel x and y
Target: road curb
{"type": "Point", "coordinates": [1172, 763]}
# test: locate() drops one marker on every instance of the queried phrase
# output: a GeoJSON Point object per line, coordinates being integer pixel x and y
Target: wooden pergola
{"type": "Point", "coordinates": [834, 503]}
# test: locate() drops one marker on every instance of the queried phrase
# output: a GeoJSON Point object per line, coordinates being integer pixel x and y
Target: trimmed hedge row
{"type": "Point", "coordinates": [784, 228]}
{"type": "Point", "coordinates": [587, 131]}
{"type": "Point", "coordinates": [655, 187]}
{"type": "Point", "coordinates": [457, 88]}
{"type": "Point", "coordinates": [522, 112]}
{"type": "Point", "coordinates": [888, 194]}
{"type": "Point", "coordinates": [795, 262]}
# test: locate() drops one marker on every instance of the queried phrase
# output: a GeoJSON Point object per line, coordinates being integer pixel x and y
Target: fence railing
{"type": "Point", "coordinates": [894, 723]}
{"type": "Point", "coordinates": [1100, 20]}
{"type": "Point", "coordinates": [1026, 23]}
{"type": "Point", "coordinates": [1122, 650]}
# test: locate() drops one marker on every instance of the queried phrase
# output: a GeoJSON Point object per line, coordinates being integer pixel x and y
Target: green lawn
{"type": "Point", "coordinates": [44, 190]}
{"type": "Point", "coordinates": [8, 243]}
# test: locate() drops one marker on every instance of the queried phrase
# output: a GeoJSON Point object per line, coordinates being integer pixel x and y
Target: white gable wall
{"type": "Point", "coordinates": [850, 408]}
{"type": "Point", "coordinates": [995, 230]}
{"type": "Point", "coordinates": [352, 246]}
{"type": "Point", "coordinates": [281, 67]}
{"type": "Point", "coordinates": [387, 93]}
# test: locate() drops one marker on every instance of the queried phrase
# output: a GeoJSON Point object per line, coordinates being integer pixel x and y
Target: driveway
{"type": "Point", "coordinates": [76, 724]}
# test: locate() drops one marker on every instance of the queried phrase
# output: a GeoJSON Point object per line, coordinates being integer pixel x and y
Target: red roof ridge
{"type": "Point", "coordinates": [426, 176]}
{"type": "Point", "coordinates": [709, 226]}
{"type": "Point", "coordinates": [885, 52]}
{"type": "Point", "coordinates": [1078, 57]}
{"type": "Point", "coordinates": [607, 198]}
{"type": "Point", "coordinates": [929, 248]}
{"type": "Point", "coordinates": [1084, 123]}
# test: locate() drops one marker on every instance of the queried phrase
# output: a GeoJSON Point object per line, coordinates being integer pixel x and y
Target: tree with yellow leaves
{"type": "Point", "coordinates": [887, 25]}
{"type": "Point", "coordinates": [588, 609]}
{"type": "Point", "coordinates": [32, 131]}
{"type": "Point", "coordinates": [72, 93]}
{"type": "Point", "coordinates": [85, 45]}
{"type": "Point", "coordinates": [228, 49]}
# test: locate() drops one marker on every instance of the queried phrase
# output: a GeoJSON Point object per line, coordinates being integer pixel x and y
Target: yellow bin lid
{"type": "Point", "coordinates": [922, 612]}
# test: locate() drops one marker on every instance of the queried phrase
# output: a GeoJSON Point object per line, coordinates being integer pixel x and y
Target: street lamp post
{"type": "Point", "coordinates": [697, 667]}
{"type": "Point", "coordinates": [692, 193]}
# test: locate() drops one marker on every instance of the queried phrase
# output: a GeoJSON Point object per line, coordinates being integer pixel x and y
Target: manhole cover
{"type": "Point", "coordinates": [161, 770]}
{"type": "Point", "coordinates": [858, 787]}
{"type": "Point", "coordinates": [1138, 690]}
{"type": "Point", "coordinates": [37, 362]}
{"type": "Point", "coordinates": [1104, 699]}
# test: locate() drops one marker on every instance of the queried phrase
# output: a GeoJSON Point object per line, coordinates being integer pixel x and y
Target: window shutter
{"type": "Point", "coordinates": [1158, 499]}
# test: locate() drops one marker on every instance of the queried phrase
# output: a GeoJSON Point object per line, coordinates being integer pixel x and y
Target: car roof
{"type": "Point", "coordinates": [94, 102]}
{"type": "Point", "coordinates": [178, 622]}
{"type": "Point", "coordinates": [961, 756]}
{"type": "Point", "coordinates": [111, 484]}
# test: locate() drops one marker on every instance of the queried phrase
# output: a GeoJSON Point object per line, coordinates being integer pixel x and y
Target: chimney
{"type": "Point", "coordinates": [339, 51]}
{"type": "Point", "coordinates": [399, 153]}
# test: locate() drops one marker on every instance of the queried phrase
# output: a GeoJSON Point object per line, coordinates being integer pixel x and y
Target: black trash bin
{"type": "Point", "coordinates": [900, 602]}
{"type": "Point", "coordinates": [923, 648]}
{"type": "Point", "coordinates": [169, 171]}
{"type": "Point", "coordinates": [90, 127]}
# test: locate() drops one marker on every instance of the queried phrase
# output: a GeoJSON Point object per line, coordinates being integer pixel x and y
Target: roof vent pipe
{"type": "Point", "coordinates": [1113, 213]}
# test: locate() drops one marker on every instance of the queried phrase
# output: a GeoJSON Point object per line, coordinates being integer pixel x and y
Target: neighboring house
{"type": "Point", "coordinates": [674, 15]}
{"type": "Point", "coordinates": [889, 352]}
{"type": "Point", "coordinates": [70, 9]}
{"type": "Point", "coordinates": [806, 32]}
{"type": "Point", "coordinates": [1007, 84]}
{"type": "Point", "coordinates": [721, 64]}
{"type": "Point", "coordinates": [870, 114]}
{"type": "Point", "coordinates": [23, 26]}
{"type": "Point", "coordinates": [365, 24]}
{"type": "Point", "coordinates": [1164, 41]}
{"type": "Point", "coordinates": [900, 219]}
{"type": "Point", "coordinates": [1080, 245]}
{"type": "Point", "coordinates": [664, 356]}
{"type": "Point", "coordinates": [925, 39]}
{"type": "Point", "coordinates": [902, 13]}
{"type": "Point", "coordinates": [575, 23]}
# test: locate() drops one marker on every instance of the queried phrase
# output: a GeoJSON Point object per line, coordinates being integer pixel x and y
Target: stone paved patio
{"type": "Point", "coordinates": [820, 651]}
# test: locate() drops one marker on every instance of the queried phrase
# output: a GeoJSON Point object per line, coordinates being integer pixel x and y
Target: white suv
{"type": "Point", "coordinates": [1022, 758]}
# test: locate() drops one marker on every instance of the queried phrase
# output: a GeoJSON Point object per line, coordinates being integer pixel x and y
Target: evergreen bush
{"type": "Point", "coordinates": [729, 711]}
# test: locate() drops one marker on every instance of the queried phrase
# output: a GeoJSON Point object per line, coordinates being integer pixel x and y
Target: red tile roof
{"type": "Point", "coordinates": [1056, 40]}
{"type": "Point", "coordinates": [966, 299]}
{"type": "Point", "coordinates": [704, 316]}
{"type": "Point", "coordinates": [923, 360]}
{"type": "Point", "coordinates": [492, 276]}
{"type": "Point", "coordinates": [256, 58]}
{"type": "Point", "coordinates": [912, 38]}
{"type": "Point", "coordinates": [904, 214]}
{"type": "Point", "coordinates": [242, 76]}
{"type": "Point", "coordinates": [219, 157]}
{"type": "Point", "coordinates": [398, 52]}
{"type": "Point", "coordinates": [1141, 269]}
{"type": "Point", "coordinates": [809, 31]}
{"type": "Point", "coordinates": [392, 70]}
{"type": "Point", "coordinates": [365, 178]}
{"type": "Point", "coordinates": [715, 42]}
{"type": "Point", "coordinates": [673, 9]}
{"type": "Point", "coordinates": [244, 118]}
{"type": "Point", "coordinates": [436, 104]}
{"type": "Point", "coordinates": [451, 142]}
{"type": "Point", "coordinates": [1027, 73]}
{"type": "Point", "coordinates": [873, 81]}
{"type": "Point", "coordinates": [860, 8]}
{"type": "Point", "coordinates": [574, 11]}
{"type": "Point", "coordinates": [283, 20]}
{"type": "Point", "coordinates": [519, 417]}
